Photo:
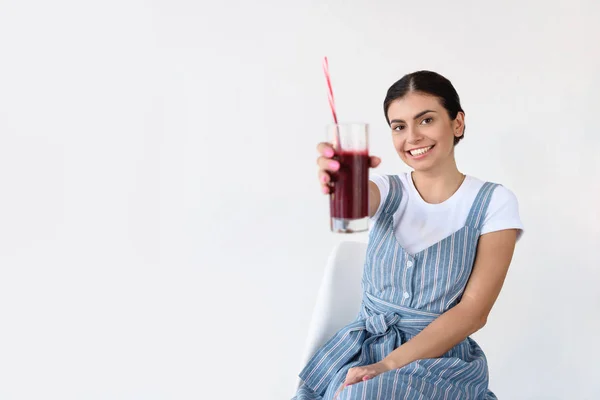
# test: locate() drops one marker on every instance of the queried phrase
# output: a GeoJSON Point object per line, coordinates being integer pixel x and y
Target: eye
{"type": "Point", "coordinates": [427, 120]}
{"type": "Point", "coordinates": [398, 128]}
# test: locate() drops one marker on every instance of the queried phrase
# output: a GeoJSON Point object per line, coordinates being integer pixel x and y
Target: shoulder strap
{"type": "Point", "coordinates": [480, 205]}
{"type": "Point", "coordinates": [392, 201]}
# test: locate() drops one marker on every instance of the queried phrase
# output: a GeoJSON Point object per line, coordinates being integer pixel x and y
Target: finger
{"type": "Point", "coordinates": [324, 177]}
{"type": "Point", "coordinates": [325, 181]}
{"type": "Point", "coordinates": [353, 377]}
{"type": "Point", "coordinates": [328, 164]}
{"type": "Point", "coordinates": [325, 149]}
{"type": "Point", "coordinates": [375, 161]}
{"type": "Point", "coordinates": [353, 380]}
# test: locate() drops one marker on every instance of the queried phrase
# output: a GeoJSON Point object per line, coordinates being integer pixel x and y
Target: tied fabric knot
{"type": "Point", "coordinates": [377, 318]}
{"type": "Point", "coordinates": [378, 324]}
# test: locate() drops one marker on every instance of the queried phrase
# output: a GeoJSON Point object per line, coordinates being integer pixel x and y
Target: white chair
{"type": "Point", "coordinates": [339, 297]}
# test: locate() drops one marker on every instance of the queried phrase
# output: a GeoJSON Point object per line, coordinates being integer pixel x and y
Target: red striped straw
{"type": "Point", "coordinates": [330, 92]}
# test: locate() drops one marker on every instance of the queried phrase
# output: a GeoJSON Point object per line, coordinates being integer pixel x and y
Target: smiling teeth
{"type": "Point", "coordinates": [419, 152]}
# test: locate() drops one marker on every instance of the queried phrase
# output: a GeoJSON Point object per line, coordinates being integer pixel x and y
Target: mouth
{"type": "Point", "coordinates": [420, 152]}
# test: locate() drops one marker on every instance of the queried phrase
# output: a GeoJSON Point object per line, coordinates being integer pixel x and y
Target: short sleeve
{"type": "Point", "coordinates": [383, 184]}
{"type": "Point", "coordinates": [503, 212]}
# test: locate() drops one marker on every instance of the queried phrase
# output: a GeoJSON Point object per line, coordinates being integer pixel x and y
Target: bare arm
{"type": "Point", "coordinates": [494, 254]}
{"type": "Point", "coordinates": [374, 198]}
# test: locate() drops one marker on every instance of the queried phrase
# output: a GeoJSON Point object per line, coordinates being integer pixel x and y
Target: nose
{"type": "Point", "coordinates": [413, 136]}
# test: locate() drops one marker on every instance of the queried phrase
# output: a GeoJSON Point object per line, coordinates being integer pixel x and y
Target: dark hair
{"type": "Point", "coordinates": [429, 83]}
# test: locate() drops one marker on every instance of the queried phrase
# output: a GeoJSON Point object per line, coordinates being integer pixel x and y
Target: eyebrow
{"type": "Point", "coordinates": [419, 115]}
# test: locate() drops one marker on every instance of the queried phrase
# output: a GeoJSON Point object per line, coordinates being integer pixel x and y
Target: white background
{"type": "Point", "coordinates": [162, 233]}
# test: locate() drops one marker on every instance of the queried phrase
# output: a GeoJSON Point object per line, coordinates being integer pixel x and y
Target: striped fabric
{"type": "Point", "coordinates": [402, 294]}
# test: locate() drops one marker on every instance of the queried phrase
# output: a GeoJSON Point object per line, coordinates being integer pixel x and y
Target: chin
{"type": "Point", "coordinates": [422, 168]}
{"type": "Point", "coordinates": [423, 165]}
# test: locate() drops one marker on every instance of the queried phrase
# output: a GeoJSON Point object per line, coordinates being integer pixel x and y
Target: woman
{"type": "Point", "coordinates": [438, 254]}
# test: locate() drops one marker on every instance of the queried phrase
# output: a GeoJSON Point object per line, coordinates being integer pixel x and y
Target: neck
{"type": "Point", "coordinates": [438, 185]}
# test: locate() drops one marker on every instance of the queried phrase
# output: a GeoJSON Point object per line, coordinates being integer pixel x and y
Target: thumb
{"type": "Point", "coordinates": [375, 161]}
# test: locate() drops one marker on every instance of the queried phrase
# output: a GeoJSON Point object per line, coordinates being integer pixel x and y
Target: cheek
{"type": "Point", "coordinates": [398, 142]}
{"type": "Point", "coordinates": [444, 136]}
{"type": "Point", "coordinates": [399, 146]}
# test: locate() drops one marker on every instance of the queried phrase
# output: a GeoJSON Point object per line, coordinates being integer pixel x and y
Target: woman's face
{"type": "Point", "coordinates": [422, 131]}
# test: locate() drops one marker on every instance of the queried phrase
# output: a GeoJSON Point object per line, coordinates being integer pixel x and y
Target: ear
{"type": "Point", "coordinates": [458, 125]}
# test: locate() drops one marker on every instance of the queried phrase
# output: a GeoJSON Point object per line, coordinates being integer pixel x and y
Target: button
{"type": "Point", "coordinates": [409, 263]}
{"type": "Point", "coordinates": [406, 295]}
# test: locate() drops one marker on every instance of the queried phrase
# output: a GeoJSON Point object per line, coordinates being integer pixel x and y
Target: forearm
{"type": "Point", "coordinates": [374, 198]}
{"type": "Point", "coordinates": [445, 332]}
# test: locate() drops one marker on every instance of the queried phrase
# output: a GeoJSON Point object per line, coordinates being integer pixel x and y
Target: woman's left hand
{"type": "Point", "coordinates": [358, 374]}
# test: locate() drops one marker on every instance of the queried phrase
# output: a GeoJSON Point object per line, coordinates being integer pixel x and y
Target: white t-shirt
{"type": "Point", "coordinates": [419, 225]}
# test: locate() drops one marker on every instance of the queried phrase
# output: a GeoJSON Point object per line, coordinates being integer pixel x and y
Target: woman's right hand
{"type": "Point", "coordinates": [327, 165]}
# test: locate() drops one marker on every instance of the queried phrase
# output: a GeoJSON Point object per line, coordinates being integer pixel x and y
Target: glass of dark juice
{"type": "Point", "coordinates": [349, 195]}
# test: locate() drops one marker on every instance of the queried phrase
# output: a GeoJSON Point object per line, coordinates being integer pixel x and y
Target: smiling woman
{"type": "Point", "coordinates": [424, 112]}
{"type": "Point", "coordinates": [437, 257]}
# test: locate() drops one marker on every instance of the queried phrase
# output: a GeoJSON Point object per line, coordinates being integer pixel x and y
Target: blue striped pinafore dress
{"type": "Point", "coordinates": [402, 294]}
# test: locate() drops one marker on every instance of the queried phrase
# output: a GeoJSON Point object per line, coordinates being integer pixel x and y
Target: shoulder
{"type": "Point", "coordinates": [383, 182]}
{"type": "Point", "coordinates": [503, 211]}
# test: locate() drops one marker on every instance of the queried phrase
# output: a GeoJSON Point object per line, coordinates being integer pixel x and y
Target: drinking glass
{"type": "Point", "coordinates": [349, 195]}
